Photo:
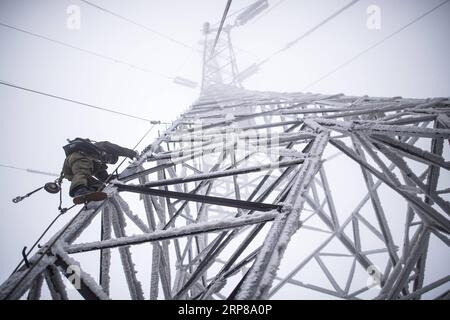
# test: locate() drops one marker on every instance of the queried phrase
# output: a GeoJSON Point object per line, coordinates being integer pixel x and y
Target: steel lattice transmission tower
{"type": "Point", "coordinates": [257, 195]}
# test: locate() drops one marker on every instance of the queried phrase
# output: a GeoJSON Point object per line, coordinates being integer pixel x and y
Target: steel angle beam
{"type": "Point", "coordinates": [242, 204]}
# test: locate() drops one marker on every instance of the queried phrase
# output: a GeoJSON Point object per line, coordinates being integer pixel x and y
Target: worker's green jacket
{"type": "Point", "coordinates": [84, 169]}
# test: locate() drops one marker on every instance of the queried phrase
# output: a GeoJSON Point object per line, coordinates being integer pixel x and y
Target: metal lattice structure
{"type": "Point", "coordinates": [258, 195]}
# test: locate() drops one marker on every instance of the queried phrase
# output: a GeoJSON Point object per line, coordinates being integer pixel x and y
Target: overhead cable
{"type": "Point", "coordinates": [30, 170]}
{"type": "Point", "coordinates": [80, 103]}
{"type": "Point", "coordinates": [374, 45]}
{"type": "Point", "coordinates": [99, 55]}
{"type": "Point", "coordinates": [227, 7]}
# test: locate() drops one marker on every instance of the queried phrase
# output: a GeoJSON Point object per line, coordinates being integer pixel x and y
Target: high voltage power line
{"type": "Point", "coordinates": [30, 170]}
{"type": "Point", "coordinates": [375, 45]}
{"type": "Point", "coordinates": [227, 7]}
{"type": "Point", "coordinates": [80, 103]}
{"type": "Point", "coordinates": [156, 32]}
{"type": "Point", "coordinates": [90, 52]}
{"type": "Point", "coordinates": [310, 31]}
{"type": "Point", "coordinates": [232, 14]}
{"type": "Point", "coordinates": [255, 67]}
{"type": "Point", "coordinates": [140, 25]}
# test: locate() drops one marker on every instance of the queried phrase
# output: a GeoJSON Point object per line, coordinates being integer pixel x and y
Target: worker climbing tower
{"type": "Point", "coordinates": [259, 195]}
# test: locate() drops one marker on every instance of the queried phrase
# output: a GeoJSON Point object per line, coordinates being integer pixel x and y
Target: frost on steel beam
{"type": "Point", "coordinates": [337, 230]}
{"type": "Point", "coordinates": [374, 128]}
{"type": "Point", "coordinates": [199, 242]}
{"type": "Point", "coordinates": [427, 212]}
{"type": "Point", "coordinates": [400, 275]}
{"type": "Point", "coordinates": [16, 285]}
{"type": "Point", "coordinates": [160, 235]}
{"type": "Point", "coordinates": [36, 288]}
{"type": "Point", "coordinates": [377, 207]}
{"type": "Point", "coordinates": [328, 196]}
{"type": "Point", "coordinates": [119, 202]}
{"type": "Point", "coordinates": [83, 282]}
{"type": "Point", "coordinates": [417, 293]}
{"type": "Point", "coordinates": [215, 250]}
{"type": "Point", "coordinates": [118, 223]}
{"type": "Point", "coordinates": [220, 279]}
{"type": "Point", "coordinates": [414, 180]}
{"type": "Point", "coordinates": [384, 128]}
{"type": "Point", "coordinates": [437, 146]}
{"type": "Point", "coordinates": [105, 255]}
{"type": "Point", "coordinates": [260, 276]}
{"type": "Point", "coordinates": [305, 261]}
{"type": "Point", "coordinates": [158, 267]}
{"type": "Point", "coordinates": [279, 286]}
{"type": "Point", "coordinates": [225, 173]}
{"type": "Point", "coordinates": [55, 283]}
{"type": "Point", "coordinates": [159, 270]}
{"type": "Point", "coordinates": [413, 152]}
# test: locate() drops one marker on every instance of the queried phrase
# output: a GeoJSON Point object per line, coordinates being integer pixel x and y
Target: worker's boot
{"type": "Point", "coordinates": [81, 191]}
{"type": "Point", "coordinates": [85, 195]}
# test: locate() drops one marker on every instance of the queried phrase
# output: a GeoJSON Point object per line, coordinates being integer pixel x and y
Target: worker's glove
{"type": "Point", "coordinates": [133, 154]}
{"type": "Point", "coordinates": [136, 155]}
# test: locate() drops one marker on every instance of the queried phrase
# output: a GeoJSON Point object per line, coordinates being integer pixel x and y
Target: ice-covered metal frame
{"type": "Point", "coordinates": [220, 230]}
{"type": "Point", "coordinates": [259, 195]}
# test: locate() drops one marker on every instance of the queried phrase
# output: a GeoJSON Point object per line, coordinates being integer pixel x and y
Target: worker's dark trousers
{"type": "Point", "coordinates": [79, 168]}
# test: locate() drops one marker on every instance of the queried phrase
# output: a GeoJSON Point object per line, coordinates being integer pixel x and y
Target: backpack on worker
{"type": "Point", "coordinates": [83, 145]}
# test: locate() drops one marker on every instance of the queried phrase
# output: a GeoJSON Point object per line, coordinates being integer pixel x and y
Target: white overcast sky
{"type": "Point", "coordinates": [33, 128]}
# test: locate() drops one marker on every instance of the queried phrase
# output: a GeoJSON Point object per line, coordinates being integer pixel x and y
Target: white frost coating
{"type": "Point", "coordinates": [217, 285]}
{"type": "Point", "coordinates": [106, 254]}
{"type": "Point", "coordinates": [160, 212]}
{"type": "Point", "coordinates": [134, 285]}
{"type": "Point", "coordinates": [173, 174]}
{"type": "Point", "coordinates": [126, 208]}
{"type": "Point", "coordinates": [424, 210]}
{"type": "Point", "coordinates": [403, 166]}
{"type": "Point", "coordinates": [86, 278]}
{"type": "Point", "coordinates": [264, 269]}
{"type": "Point", "coordinates": [214, 174]}
{"type": "Point", "coordinates": [81, 222]}
{"type": "Point", "coordinates": [283, 137]}
{"type": "Point", "coordinates": [154, 282]}
{"type": "Point", "coordinates": [391, 130]}
{"type": "Point", "coordinates": [444, 120]}
{"type": "Point", "coordinates": [36, 288]}
{"type": "Point", "coordinates": [55, 284]}
{"type": "Point", "coordinates": [313, 125]}
{"type": "Point", "coordinates": [288, 107]}
{"type": "Point", "coordinates": [51, 287]}
{"type": "Point", "coordinates": [414, 152]}
{"type": "Point", "coordinates": [175, 232]}
{"type": "Point", "coordinates": [218, 139]}
{"type": "Point", "coordinates": [9, 285]}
